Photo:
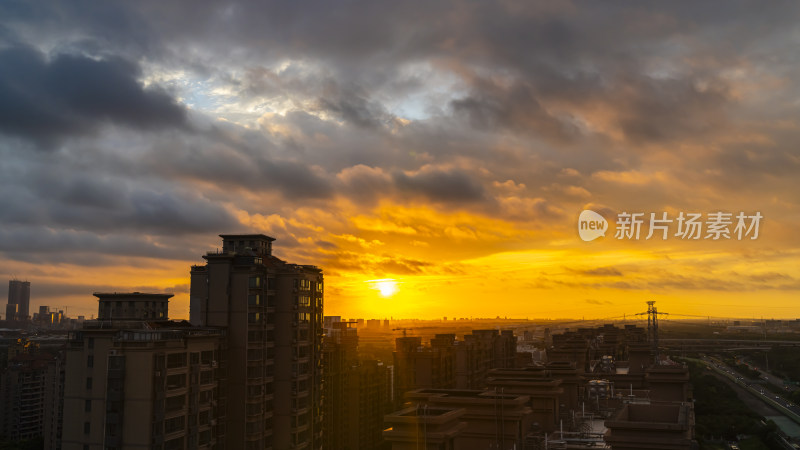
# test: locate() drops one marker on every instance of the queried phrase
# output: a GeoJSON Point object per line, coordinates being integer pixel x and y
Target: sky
{"type": "Point", "coordinates": [431, 157]}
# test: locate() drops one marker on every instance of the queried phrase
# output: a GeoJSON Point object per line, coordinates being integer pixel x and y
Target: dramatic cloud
{"type": "Point", "coordinates": [448, 143]}
{"type": "Point", "coordinates": [45, 101]}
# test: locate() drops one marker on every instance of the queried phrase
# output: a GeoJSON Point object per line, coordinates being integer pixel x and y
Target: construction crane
{"type": "Point", "coordinates": [404, 330]}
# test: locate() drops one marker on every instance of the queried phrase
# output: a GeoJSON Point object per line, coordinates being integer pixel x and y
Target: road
{"type": "Point", "coordinates": [783, 406]}
{"type": "Point", "coordinates": [769, 377]}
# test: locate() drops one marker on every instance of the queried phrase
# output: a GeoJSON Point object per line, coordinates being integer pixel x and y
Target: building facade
{"type": "Point", "coordinates": [31, 396]}
{"type": "Point", "coordinates": [272, 313]}
{"type": "Point", "coordinates": [356, 393]}
{"type": "Point", "coordinates": [138, 383]}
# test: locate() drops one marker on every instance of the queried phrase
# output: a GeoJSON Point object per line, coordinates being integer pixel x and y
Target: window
{"type": "Point", "coordinates": [206, 357]}
{"type": "Point", "coordinates": [253, 317]}
{"type": "Point", "coordinates": [254, 299]}
{"type": "Point", "coordinates": [206, 377]}
{"type": "Point", "coordinates": [88, 382]}
{"type": "Point", "coordinates": [90, 361]}
{"type": "Point", "coordinates": [174, 424]}
{"type": "Point", "coordinates": [176, 381]}
{"type": "Point", "coordinates": [116, 362]}
{"type": "Point", "coordinates": [255, 282]}
{"type": "Point", "coordinates": [255, 354]}
{"type": "Point", "coordinates": [176, 360]}
{"type": "Point", "coordinates": [254, 372]}
{"type": "Point", "coordinates": [90, 342]}
{"type": "Point", "coordinates": [87, 405]}
{"type": "Point", "coordinates": [252, 427]}
{"type": "Point", "coordinates": [255, 336]}
{"type": "Point", "coordinates": [303, 351]}
{"type": "Point", "coordinates": [205, 437]}
{"type": "Point", "coordinates": [175, 403]}
{"type": "Point", "coordinates": [194, 358]}
{"type": "Point", "coordinates": [87, 427]}
{"type": "Point", "coordinates": [252, 391]}
{"type": "Point", "coordinates": [174, 444]}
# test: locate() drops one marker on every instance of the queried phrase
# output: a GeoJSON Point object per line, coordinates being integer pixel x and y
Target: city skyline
{"type": "Point", "coordinates": [433, 159]}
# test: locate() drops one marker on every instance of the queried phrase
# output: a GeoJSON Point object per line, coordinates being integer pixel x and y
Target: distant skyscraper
{"type": "Point", "coordinates": [19, 293]}
{"type": "Point", "coordinates": [272, 311]}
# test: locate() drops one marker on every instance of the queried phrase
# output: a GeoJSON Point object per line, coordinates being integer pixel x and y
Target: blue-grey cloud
{"type": "Point", "coordinates": [46, 100]}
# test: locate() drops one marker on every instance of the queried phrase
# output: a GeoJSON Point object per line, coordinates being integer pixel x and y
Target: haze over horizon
{"type": "Point", "coordinates": [431, 157]}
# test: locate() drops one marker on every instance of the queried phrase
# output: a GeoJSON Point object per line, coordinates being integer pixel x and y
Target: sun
{"type": "Point", "coordinates": [386, 286]}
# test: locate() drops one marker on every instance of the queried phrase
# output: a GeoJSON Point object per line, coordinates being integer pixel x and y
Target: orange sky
{"type": "Point", "coordinates": [447, 148]}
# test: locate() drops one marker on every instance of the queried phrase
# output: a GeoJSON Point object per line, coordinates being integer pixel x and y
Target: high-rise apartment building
{"type": "Point", "coordinates": [30, 396]}
{"type": "Point", "coordinates": [272, 313]}
{"type": "Point", "coordinates": [450, 363]}
{"type": "Point", "coordinates": [19, 293]}
{"type": "Point", "coordinates": [356, 393]}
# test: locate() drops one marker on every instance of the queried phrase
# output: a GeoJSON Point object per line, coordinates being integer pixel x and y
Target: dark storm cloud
{"type": "Point", "coordinates": [440, 185]}
{"type": "Point", "coordinates": [237, 160]}
{"type": "Point", "coordinates": [45, 101]}
{"type": "Point", "coordinates": [103, 204]}
{"type": "Point", "coordinates": [491, 107]}
{"type": "Point", "coordinates": [356, 109]}
{"type": "Point", "coordinates": [40, 244]}
{"type": "Point", "coordinates": [668, 109]}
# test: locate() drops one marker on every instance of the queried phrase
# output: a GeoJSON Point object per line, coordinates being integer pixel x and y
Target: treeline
{"type": "Point", "coordinates": [783, 362]}
{"type": "Point", "coordinates": [721, 415]}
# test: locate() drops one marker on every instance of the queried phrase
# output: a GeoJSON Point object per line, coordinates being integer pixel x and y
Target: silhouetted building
{"type": "Point", "coordinates": [447, 363]}
{"type": "Point", "coordinates": [139, 383]}
{"type": "Point", "coordinates": [132, 306]}
{"type": "Point", "coordinates": [31, 396]}
{"type": "Point", "coordinates": [19, 293]}
{"type": "Point", "coordinates": [11, 312]}
{"type": "Point", "coordinates": [356, 393]}
{"type": "Point", "coordinates": [656, 427]}
{"type": "Point", "coordinates": [494, 420]}
{"type": "Point", "coordinates": [480, 352]}
{"type": "Point", "coordinates": [424, 428]}
{"type": "Point", "coordinates": [272, 313]}
{"type": "Point", "coordinates": [668, 383]}
{"type": "Point", "coordinates": [538, 385]}
{"type": "Point", "coordinates": [417, 366]}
